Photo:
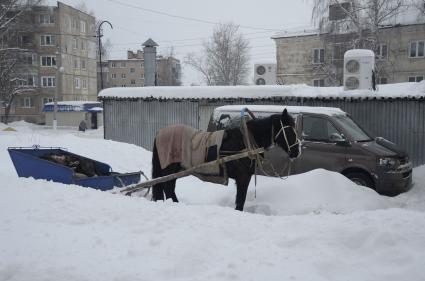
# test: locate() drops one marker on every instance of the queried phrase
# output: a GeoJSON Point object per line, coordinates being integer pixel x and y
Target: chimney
{"type": "Point", "coordinates": [149, 57]}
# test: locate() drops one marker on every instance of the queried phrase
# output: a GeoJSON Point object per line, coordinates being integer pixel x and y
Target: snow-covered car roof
{"type": "Point", "coordinates": [271, 109]}
{"type": "Point", "coordinates": [400, 90]}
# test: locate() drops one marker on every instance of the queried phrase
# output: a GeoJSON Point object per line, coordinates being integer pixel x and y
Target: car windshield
{"type": "Point", "coordinates": [351, 127]}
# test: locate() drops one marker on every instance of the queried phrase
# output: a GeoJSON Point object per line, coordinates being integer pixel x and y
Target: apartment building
{"type": "Point", "coordinates": [130, 72]}
{"type": "Point", "coordinates": [61, 60]}
{"type": "Point", "coordinates": [316, 57]}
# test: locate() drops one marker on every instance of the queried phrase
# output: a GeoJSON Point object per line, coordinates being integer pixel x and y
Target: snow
{"type": "Point", "coordinates": [278, 109]}
{"type": "Point", "coordinates": [399, 90]}
{"type": "Point", "coordinates": [355, 53]}
{"type": "Point", "coordinates": [73, 103]}
{"type": "Point", "coordinates": [305, 32]}
{"type": "Point", "coordinates": [314, 226]}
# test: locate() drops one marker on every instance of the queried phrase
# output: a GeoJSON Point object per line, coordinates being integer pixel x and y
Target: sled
{"type": "Point", "coordinates": [31, 162]}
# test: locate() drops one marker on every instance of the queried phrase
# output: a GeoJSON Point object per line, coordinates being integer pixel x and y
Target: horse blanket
{"type": "Point", "coordinates": [190, 147]}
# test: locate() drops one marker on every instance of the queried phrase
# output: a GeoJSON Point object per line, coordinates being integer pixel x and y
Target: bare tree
{"type": "Point", "coordinates": [420, 6]}
{"type": "Point", "coordinates": [224, 59]}
{"type": "Point", "coordinates": [83, 8]}
{"type": "Point", "coordinates": [362, 17]}
{"type": "Point", "coordinates": [13, 23]}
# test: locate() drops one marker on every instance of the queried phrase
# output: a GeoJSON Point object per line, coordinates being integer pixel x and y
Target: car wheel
{"type": "Point", "coordinates": [360, 179]}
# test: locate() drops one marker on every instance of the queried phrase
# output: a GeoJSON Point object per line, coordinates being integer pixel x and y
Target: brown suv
{"type": "Point", "coordinates": [333, 141]}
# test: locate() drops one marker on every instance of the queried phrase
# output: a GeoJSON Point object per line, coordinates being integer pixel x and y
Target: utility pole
{"type": "Point", "coordinates": [99, 36]}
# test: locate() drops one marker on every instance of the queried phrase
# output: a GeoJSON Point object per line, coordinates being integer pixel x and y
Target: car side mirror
{"type": "Point", "coordinates": [339, 139]}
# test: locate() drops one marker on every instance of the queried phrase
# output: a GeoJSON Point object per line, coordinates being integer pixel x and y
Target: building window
{"type": "Point", "coordinates": [84, 84]}
{"type": "Point", "coordinates": [48, 61]}
{"type": "Point", "coordinates": [382, 52]}
{"type": "Point", "coordinates": [76, 64]}
{"type": "Point", "coordinates": [416, 49]}
{"type": "Point", "coordinates": [77, 83]}
{"type": "Point", "coordinates": [142, 76]}
{"type": "Point", "coordinates": [82, 26]}
{"type": "Point", "coordinates": [123, 75]}
{"type": "Point", "coordinates": [27, 81]}
{"type": "Point", "coordinates": [83, 64]}
{"type": "Point", "coordinates": [46, 19]}
{"type": "Point", "coordinates": [27, 102]}
{"type": "Point", "coordinates": [319, 83]}
{"type": "Point", "coordinates": [382, 80]}
{"type": "Point", "coordinates": [83, 44]}
{"type": "Point", "coordinates": [142, 65]}
{"type": "Point", "coordinates": [339, 11]}
{"type": "Point", "coordinates": [47, 40]}
{"type": "Point", "coordinates": [25, 40]}
{"type": "Point", "coordinates": [74, 23]}
{"type": "Point", "coordinates": [132, 70]}
{"type": "Point", "coordinates": [113, 75]}
{"type": "Point", "coordinates": [46, 100]}
{"type": "Point", "coordinates": [48, 81]}
{"type": "Point", "coordinates": [318, 56]}
{"type": "Point", "coordinates": [114, 64]}
{"type": "Point", "coordinates": [417, 78]}
{"type": "Point", "coordinates": [133, 82]}
{"type": "Point", "coordinates": [123, 64]}
{"type": "Point", "coordinates": [74, 43]}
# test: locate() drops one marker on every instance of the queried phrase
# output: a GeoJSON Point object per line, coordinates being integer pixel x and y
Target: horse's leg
{"type": "Point", "coordinates": [170, 187]}
{"type": "Point", "coordinates": [158, 189]}
{"type": "Point", "coordinates": [242, 183]}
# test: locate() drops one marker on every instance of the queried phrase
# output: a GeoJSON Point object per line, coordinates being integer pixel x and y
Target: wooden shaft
{"type": "Point", "coordinates": [189, 171]}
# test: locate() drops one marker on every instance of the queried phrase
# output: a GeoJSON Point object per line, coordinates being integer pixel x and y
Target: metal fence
{"type": "Point", "coordinates": [137, 121]}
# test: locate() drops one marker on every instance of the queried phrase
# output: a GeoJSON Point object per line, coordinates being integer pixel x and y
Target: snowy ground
{"type": "Point", "coordinates": [315, 226]}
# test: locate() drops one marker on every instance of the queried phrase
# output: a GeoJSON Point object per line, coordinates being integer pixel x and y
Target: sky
{"type": "Point", "coordinates": [185, 24]}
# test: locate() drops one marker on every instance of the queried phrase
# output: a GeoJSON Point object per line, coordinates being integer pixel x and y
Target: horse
{"type": "Point", "coordinates": [277, 129]}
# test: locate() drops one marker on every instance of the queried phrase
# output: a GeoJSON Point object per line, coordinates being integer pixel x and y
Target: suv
{"type": "Point", "coordinates": [333, 141]}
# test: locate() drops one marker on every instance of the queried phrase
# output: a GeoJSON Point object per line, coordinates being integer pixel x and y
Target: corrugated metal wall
{"type": "Point", "coordinates": [137, 121]}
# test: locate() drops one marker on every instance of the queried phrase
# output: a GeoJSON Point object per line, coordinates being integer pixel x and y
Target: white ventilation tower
{"type": "Point", "coordinates": [359, 65]}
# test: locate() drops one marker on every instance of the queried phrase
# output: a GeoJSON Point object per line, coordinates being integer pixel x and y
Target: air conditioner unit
{"type": "Point", "coordinates": [359, 65]}
{"type": "Point", "coordinates": [265, 74]}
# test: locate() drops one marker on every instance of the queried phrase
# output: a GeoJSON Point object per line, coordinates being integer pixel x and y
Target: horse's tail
{"type": "Point", "coordinates": [157, 190]}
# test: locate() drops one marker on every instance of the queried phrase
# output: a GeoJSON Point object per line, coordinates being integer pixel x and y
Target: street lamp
{"type": "Point", "coordinates": [99, 36]}
{"type": "Point", "coordinates": [59, 73]}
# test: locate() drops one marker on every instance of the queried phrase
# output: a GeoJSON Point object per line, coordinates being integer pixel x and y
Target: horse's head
{"type": "Point", "coordinates": [285, 135]}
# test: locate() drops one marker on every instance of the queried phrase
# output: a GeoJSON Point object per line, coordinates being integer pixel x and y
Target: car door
{"type": "Point", "coordinates": [322, 145]}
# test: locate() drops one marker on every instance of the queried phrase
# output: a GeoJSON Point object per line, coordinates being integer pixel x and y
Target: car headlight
{"type": "Point", "coordinates": [386, 161]}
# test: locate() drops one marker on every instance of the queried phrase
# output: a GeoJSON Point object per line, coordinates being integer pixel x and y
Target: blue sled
{"type": "Point", "coordinates": [28, 163]}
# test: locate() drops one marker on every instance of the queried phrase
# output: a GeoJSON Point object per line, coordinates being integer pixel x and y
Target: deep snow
{"type": "Point", "coordinates": [315, 226]}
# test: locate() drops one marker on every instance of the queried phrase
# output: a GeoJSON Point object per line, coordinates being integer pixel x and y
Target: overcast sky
{"type": "Point", "coordinates": [133, 24]}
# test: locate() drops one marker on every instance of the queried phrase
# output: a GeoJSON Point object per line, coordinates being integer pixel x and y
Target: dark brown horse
{"type": "Point", "coordinates": [278, 129]}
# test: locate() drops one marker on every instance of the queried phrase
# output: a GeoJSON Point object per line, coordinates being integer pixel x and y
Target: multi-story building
{"type": "Point", "coordinates": [60, 61]}
{"type": "Point", "coordinates": [130, 72]}
{"type": "Point", "coordinates": [317, 58]}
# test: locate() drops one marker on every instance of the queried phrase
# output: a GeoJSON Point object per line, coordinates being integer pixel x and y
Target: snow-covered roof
{"type": "Point", "coordinates": [400, 90]}
{"type": "Point", "coordinates": [74, 103]}
{"type": "Point", "coordinates": [278, 109]}
{"type": "Point", "coordinates": [304, 32]}
{"type": "Point", "coordinates": [72, 106]}
{"type": "Point", "coordinates": [355, 53]}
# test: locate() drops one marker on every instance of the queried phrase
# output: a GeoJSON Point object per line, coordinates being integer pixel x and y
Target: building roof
{"type": "Point", "coordinates": [400, 90]}
{"type": "Point", "coordinates": [150, 43]}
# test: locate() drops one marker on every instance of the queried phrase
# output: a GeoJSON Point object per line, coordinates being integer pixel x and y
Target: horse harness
{"type": "Point", "coordinates": [250, 145]}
